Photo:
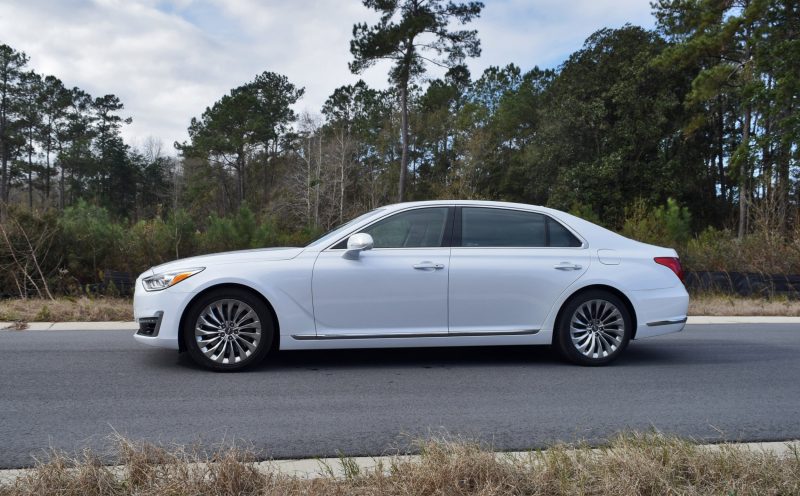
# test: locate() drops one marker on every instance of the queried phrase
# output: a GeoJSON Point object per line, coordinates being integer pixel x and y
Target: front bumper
{"type": "Point", "coordinates": [162, 308]}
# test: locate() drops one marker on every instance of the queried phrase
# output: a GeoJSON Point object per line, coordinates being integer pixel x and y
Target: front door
{"type": "Point", "coordinates": [397, 287]}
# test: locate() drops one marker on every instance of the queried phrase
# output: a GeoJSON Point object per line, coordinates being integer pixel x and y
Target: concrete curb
{"type": "Point", "coordinates": [742, 320]}
{"type": "Point", "coordinates": [73, 326]}
{"type": "Point", "coordinates": [312, 468]}
{"type": "Point", "coordinates": [132, 326]}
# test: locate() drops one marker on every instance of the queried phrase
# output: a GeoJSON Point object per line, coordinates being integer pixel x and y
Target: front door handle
{"type": "Point", "coordinates": [567, 266]}
{"type": "Point", "coordinates": [428, 266]}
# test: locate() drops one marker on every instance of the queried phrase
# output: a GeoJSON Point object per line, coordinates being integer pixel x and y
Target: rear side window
{"type": "Point", "coordinates": [496, 228]}
{"type": "Point", "coordinates": [559, 236]}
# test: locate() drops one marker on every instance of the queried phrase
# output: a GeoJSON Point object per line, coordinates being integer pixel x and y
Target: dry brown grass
{"type": "Point", "coordinates": [101, 309]}
{"type": "Point", "coordinates": [632, 464]}
{"type": "Point", "coordinates": [727, 305]}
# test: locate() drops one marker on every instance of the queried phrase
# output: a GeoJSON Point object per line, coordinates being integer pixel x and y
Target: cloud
{"type": "Point", "coordinates": [170, 59]}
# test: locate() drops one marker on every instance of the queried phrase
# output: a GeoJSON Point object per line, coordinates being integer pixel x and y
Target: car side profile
{"type": "Point", "coordinates": [421, 274]}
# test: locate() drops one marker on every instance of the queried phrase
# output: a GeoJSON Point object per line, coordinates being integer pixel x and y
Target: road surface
{"type": "Point", "coordinates": [70, 390]}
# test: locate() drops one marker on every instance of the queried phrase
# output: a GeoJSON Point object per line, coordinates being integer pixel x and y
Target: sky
{"type": "Point", "coordinates": [168, 60]}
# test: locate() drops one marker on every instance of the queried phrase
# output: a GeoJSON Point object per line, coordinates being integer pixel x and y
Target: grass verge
{"type": "Point", "coordinates": [82, 309]}
{"type": "Point", "coordinates": [727, 305]}
{"type": "Point", "coordinates": [632, 464]}
{"type": "Point", "coordinates": [104, 309]}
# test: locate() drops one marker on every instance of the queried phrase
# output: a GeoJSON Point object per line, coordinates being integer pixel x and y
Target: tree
{"type": "Point", "coordinates": [720, 36]}
{"type": "Point", "coordinates": [12, 63]}
{"type": "Point", "coordinates": [251, 120]}
{"type": "Point", "coordinates": [407, 33]}
{"type": "Point", "coordinates": [74, 140]}
{"type": "Point", "coordinates": [54, 100]}
{"type": "Point", "coordinates": [29, 112]}
{"type": "Point", "coordinates": [607, 127]}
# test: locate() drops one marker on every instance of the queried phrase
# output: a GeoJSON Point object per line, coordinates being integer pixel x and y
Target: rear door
{"type": "Point", "coordinates": [508, 267]}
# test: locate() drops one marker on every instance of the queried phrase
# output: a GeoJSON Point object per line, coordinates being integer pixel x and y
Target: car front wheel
{"type": "Point", "coordinates": [228, 329]}
{"type": "Point", "coordinates": [594, 329]}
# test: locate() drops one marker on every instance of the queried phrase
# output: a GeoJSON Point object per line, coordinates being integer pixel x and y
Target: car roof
{"type": "Point", "coordinates": [482, 203]}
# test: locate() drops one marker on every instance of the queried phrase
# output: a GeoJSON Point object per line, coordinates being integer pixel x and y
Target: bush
{"type": "Point", "coordinates": [666, 225]}
{"type": "Point", "coordinates": [74, 247]}
{"type": "Point", "coordinates": [91, 241]}
{"type": "Point", "coordinates": [230, 233]}
{"type": "Point", "coordinates": [763, 252]}
{"type": "Point", "coordinates": [155, 241]}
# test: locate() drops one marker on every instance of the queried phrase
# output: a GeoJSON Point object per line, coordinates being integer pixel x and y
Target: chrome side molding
{"type": "Point", "coordinates": [319, 337]}
{"type": "Point", "coordinates": [667, 322]}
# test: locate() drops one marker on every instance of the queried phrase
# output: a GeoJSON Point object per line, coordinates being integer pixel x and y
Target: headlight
{"type": "Point", "coordinates": [167, 279]}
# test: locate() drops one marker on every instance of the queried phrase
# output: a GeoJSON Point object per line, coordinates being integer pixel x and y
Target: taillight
{"type": "Point", "coordinates": [673, 263]}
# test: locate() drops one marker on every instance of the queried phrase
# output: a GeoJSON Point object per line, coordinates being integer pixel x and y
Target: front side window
{"type": "Point", "coordinates": [419, 228]}
{"type": "Point", "coordinates": [496, 228]}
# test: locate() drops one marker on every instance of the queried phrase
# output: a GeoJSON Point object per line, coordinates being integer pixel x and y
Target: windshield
{"type": "Point", "coordinates": [336, 231]}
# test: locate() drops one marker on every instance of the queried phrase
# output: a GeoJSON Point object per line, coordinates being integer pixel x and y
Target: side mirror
{"type": "Point", "coordinates": [358, 243]}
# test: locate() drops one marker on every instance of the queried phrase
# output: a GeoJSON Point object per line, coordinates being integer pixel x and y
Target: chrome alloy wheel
{"type": "Point", "coordinates": [228, 331]}
{"type": "Point", "coordinates": [597, 328]}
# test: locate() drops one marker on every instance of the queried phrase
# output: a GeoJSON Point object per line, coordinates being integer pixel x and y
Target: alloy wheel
{"type": "Point", "coordinates": [228, 331]}
{"type": "Point", "coordinates": [597, 329]}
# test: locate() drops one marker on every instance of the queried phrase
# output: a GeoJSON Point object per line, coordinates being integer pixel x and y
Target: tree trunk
{"type": "Point", "coordinates": [341, 179]}
{"type": "Point", "coordinates": [309, 180]}
{"type": "Point", "coordinates": [319, 178]}
{"type": "Point", "coordinates": [404, 155]}
{"type": "Point", "coordinates": [4, 141]}
{"type": "Point", "coordinates": [30, 181]}
{"type": "Point", "coordinates": [240, 176]}
{"type": "Point", "coordinates": [47, 174]}
{"type": "Point", "coordinates": [30, 168]}
{"type": "Point", "coordinates": [721, 150]}
{"type": "Point", "coordinates": [61, 199]}
{"type": "Point", "coordinates": [744, 172]}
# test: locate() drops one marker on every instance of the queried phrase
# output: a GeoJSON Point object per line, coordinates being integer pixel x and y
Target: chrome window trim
{"type": "Point", "coordinates": [584, 243]}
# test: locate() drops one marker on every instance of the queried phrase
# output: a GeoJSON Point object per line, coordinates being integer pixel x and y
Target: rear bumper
{"type": "Point", "coordinates": [660, 311]}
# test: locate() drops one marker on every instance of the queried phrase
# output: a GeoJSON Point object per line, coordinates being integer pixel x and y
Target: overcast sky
{"type": "Point", "coordinates": [170, 59]}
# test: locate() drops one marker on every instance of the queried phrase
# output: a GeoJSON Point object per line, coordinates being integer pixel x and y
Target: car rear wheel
{"type": "Point", "coordinates": [594, 329]}
{"type": "Point", "coordinates": [228, 329]}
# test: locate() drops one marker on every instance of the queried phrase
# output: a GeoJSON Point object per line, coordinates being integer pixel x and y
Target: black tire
{"type": "Point", "coordinates": [608, 341]}
{"type": "Point", "coordinates": [232, 301]}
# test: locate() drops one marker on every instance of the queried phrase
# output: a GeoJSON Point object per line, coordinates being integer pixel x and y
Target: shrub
{"type": "Point", "coordinates": [764, 252]}
{"type": "Point", "coordinates": [230, 233]}
{"type": "Point", "coordinates": [91, 241]}
{"type": "Point", "coordinates": [666, 225]}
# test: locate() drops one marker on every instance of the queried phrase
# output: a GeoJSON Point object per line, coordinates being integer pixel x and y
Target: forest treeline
{"type": "Point", "coordinates": [685, 135]}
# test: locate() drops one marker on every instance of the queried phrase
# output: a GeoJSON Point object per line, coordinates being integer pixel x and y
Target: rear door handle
{"type": "Point", "coordinates": [428, 266]}
{"type": "Point", "coordinates": [567, 266]}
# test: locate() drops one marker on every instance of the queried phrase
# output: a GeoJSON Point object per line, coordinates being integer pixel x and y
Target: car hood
{"type": "Point", "coordinates": [228, 257]}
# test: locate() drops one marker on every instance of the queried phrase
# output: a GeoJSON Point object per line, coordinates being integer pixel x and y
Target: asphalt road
{"type": "Point", "coordinates": [70, 390]}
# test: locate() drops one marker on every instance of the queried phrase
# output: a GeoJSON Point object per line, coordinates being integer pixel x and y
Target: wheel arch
{"type": "Point", "coordinates": [277, 334]}
{"type": "Point", "coordinates": [602, 287]}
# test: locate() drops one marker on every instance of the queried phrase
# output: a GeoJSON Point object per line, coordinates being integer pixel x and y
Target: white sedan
{"type": "Point", "coordinates": [434, 273]}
